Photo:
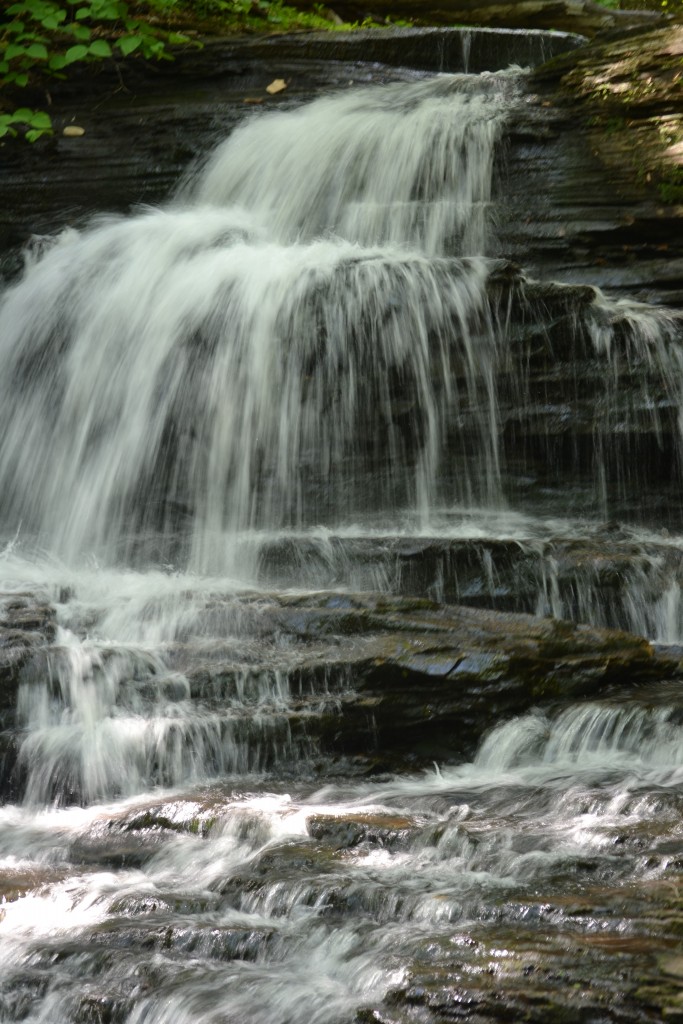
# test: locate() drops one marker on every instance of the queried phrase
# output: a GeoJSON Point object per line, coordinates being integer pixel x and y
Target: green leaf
{"type": "Point", "coordinates": [75, 53]}
{"type": "Point", "coordinates": [128, 44]}
{"type": "Point", "coordinates": [19, 78]}
{"type": "Point", "coordinates": [154, 47]}
{"type": "Point", "coordinates": [4, 67]}
{"type": "Point", "coordinates": [81, 32]}
{"type": "Point", "coordinates": [50, 22]}
{"type": "Point", "coordinates": [29, 36]}
{"type": "Point", "coordinates": [42, 120]}
{"type": "Point", "coordinates": [57, 61]}
{"type": "Point", "coordinates": [14, 50]}
{"type": "Point", "coordinates": [23, 114]}
{"type": "Point", "coordinates": [37, 51]}
{"type": "Point", "coordinates": [175, 38]}
{"type": "Point", "coordinates": [84, 12]}
{"type": "Point", "coordinates": [100, 48]}
{"type": "Point", "coordinates": [108, 10]}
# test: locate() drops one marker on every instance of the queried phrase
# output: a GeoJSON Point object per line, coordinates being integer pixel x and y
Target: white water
{"type": "Point", "coordinates": [294, 349]}
{"type": "Point", "coordinates": [543, 803]}
{"type": "Point", "coordinates": [255, 377]}
{"type": "Point", "coordinates": [342, 166]}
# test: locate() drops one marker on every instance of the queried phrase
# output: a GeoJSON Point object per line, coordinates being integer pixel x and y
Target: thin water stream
{"type": "Point", "coordinates": [309, 373]}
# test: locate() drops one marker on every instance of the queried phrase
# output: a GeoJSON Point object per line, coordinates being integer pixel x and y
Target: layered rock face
{"type": "Point", "coordinates": [340, 635]}
{"type": "Point", "coordinates": [601, 153]}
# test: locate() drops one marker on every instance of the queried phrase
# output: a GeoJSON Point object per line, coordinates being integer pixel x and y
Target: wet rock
{"type": "Point", "coordinates": [609, 578]}
{"type": "Point", "coordinates": [599, 149]}
{"type": "Point", "coordinates": [415, 677]}
{"type": "Point", "coordinates": [351, 830]}
{"type": "Point", "coordinates": [434, 695]}
{"type": "Point", "coordinates": [559, 976]}
{"type": "Point", "coordinates": [162, 904]}
{"type": "Point", "coordinates": [672, 965]}
{"type": "Point", "coordinates": [19, 882]}
{"type": "Point", "coordinates": [27, 626]}
{"type": "Point", "coordinates": [156, 820]}
{"type": "Point", "coordinates": [473, 50]}
{"type": "Point", "coordinates": [115, 851]}
{"type": "Point", "coordinates": [393, 680]}
{"type": "Point", "coordinates": [27, 613]}
{"type": "Point", "coordinates": [295, 857]}
{"type": "Point", "coordinates": [193, 939]}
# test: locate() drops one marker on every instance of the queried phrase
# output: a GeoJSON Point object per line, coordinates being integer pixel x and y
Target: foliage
{"type": "Point", "coordinates": [45, 37]}
{"type": "Point", "coordinates": [34, 122]}
{"type": "Point", "coordinates": [234, 16]}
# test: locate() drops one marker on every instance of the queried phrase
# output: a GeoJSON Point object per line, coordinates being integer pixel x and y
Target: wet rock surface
{"type": "Point", "coordinates": [371, 676]}
{"type": "Point", "coordinates": [600, 150]}
{"type": "Point", "coordinates": [27, 626]}
{"type": "Point", "coordinates": [590, 934]}
{"type": "Point", "coordinates": [522, 890]}
{"type": "Point", "coordinates": [614, 578]}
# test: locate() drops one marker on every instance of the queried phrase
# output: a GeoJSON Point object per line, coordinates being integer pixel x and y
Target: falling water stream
{"type": "Point", "coordinates": [308, 373]}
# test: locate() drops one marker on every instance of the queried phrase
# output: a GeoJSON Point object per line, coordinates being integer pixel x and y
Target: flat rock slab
{"type": "Point", "coordinates": [429, 681]}
{"type": "Point", "coordinates": [610, 576]}
{"type": "Point", "coordinates": [471, 50]}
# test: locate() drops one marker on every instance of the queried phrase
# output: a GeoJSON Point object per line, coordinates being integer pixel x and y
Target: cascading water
{"type": "Point", "coordinates": [313, 371]}
{"type": "Point", "coordinates": [286, 377]}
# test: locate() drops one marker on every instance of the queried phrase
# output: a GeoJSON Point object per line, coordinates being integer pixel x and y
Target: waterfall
{"type": "Point", "coordinates": [267, 374]}
{"type": "Point", "coordinates": [247, 441]}
{"type": "Point", "coordinates": [312, 297]}
{"type": "Point", "coordinates": [311, 335]}
{"type": "Point", "coordinates": [407, 164]}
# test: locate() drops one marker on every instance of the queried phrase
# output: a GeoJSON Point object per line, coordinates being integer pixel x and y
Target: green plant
{"type": "Point", "coordinates": [45, 37]}
{"type": "Point", "coordinates": [34, 123]}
